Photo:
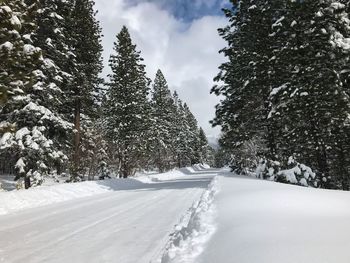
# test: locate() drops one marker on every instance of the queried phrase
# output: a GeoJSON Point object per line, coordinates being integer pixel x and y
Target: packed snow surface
{"type": "Point", "coordinates": [45, 195]}
{"type": "Point", "coordinates": [124, 221]}
{"type": "Point", "coordinates": [267, 222]}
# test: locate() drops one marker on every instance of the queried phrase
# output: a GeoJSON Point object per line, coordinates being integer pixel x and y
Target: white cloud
{"type": "Point", "coordinates": [186, 53]}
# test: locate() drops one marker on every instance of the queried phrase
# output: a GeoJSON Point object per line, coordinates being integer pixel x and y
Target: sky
{"type": "Point", "coordinates": [177, 36]}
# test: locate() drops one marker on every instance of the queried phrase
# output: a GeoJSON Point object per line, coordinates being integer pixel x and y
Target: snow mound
{"type": "Point", "coordinates": [18, 200]}
{"type": "Point", "coordinates": [260, 221]}
{"type": "Point", "coordinates": [13, 201]}
{"type": "Point", "coordinates": [194, 230]}
{"type": "Point", "coordinates": [201, 166]}
{"type": "Point", "coordinates": [157, 177]}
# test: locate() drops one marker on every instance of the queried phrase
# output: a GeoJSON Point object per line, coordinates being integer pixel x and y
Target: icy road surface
{"type": "Point", "coordinates": [129, 225]}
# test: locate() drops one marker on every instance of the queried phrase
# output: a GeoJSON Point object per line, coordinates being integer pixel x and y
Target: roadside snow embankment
{"type": "Point", "coordinates": [13, 201]}
{"type": "Point", "coordinates": [266, 222]}
{"type": "Point", "coordinates": [194, 230]}
{"type": "Point", "coordinates": [22, 199]}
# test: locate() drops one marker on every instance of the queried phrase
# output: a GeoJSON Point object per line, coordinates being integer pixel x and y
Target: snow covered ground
{"type": "Point", "coordinates": [266, 222]}
{"type": "Point", "coordinates": [194, 215]}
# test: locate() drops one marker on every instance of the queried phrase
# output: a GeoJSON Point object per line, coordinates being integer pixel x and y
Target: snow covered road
{"type": "Point", "coordinates": [123, 226]}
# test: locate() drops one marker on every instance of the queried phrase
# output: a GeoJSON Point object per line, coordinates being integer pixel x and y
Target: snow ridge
{"type": "Point", "coordinates": [196, 227]}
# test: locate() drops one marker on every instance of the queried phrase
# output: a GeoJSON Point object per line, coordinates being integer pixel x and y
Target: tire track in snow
{"type": "Point", "coordinates": [89, 226]}
{"type": "Point", "coordinates": [133, 233]}
{"type": "Point", "coordinates": [60, 208]}
{"type": "Point", "coordinates": [196, 227]}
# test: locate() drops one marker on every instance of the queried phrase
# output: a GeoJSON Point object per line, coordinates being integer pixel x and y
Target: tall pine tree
{"type": "Point", "coordinates": [127, 107]}
{"type": "Point", "coordinates": [163, 120]}
{"type": "Point", "coordinates": [29, 143]}
{"type": "Point", "coordinates": [85, 66]}
{"type": "Point", "coordinates": [285, 85]}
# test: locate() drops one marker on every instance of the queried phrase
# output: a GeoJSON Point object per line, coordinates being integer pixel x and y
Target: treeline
{"type": "Point", "coordinates": [286, 89]}
{"type": "Point", "coordinates": [57, 114]}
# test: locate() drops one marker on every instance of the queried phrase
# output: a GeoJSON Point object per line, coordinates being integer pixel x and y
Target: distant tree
{"type": "Point", "coordinates": [180, 133]}
{"type": "Point", "coordinates": [206, 152]}
{"type": "Point", "coordinates": [192, 136]}
{"type": "Point", "coordinates": [222, 158]}
{"type": "Point", "coordinates": [163, 121]}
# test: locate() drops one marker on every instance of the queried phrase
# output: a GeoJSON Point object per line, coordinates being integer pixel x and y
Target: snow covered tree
{"type": "Point", "coordinates": [192, 136]}
{"type": "Point", "coordinates": [3, 95]}
{"type": "Point", "coordinates": [185, 134]}
{"type": "Point", "coordinates": [127, 108]}
{"type": "Point", "coordinates": [206, 152]}
{"type": "Point", "coordinates": [285, 84]}
{"type": "Point", "coordinates": [221, 158]}
{"type": "Point", "coordinates": [29, 123]}
{"type": "Point", "coordinates": [95, 151]}
{"type": "Point", "coordinates": [162, 123]}
{"type": "Point", "coordinates": [246, 77]}
{"type": "Point", "coordinates": [52, 37]}
{"type": "Point", "coordinates": [312, 104]}
{"type": "Point", "coordinates": [84, 35]}
{"type": "Point", "coordinates": [180, 133]}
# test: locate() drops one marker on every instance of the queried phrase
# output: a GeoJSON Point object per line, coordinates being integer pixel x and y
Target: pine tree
{"type": "Point", "coordinates": [180, 133]}
{"type": "Point", "coordinates": [3, 96]}
{"type": "Point", "coordinates": [127, 107]}
{"type": "Point", "coordinates": [52, 38]}
{"type": "Point", "coordinates": [163, 120]}
{"type": "Point", "coordinates": [221, 158]}
{"type": "Point", "coordinates": [311, 104]}
{"type": "Point", "coordinates": [342, 127]}
{"type": "Point", "coordinates": [285, 85]}
{"type": "Point", "coordinates": [206, 153]}
{"type": "Point", "coordinates": [34, 122]}
{"type": "Point", "coordinates": [246, 77]}
{"type": "Point", "coordinates": [95, 150]}
{"type": "Point", "coordinates": [193, 146]}
{"type": "Point", "coordinates": [84, 38]}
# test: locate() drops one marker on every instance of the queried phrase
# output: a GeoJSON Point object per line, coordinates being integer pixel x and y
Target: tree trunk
{"type": "Point", "coordinates": [321, 154]}
{"type": "Point", "coordinates": [125, 173]}
{"type": "Point", "coordinates": [77, 138]}
{"type": "Point", "coordinates": [27, 183]}
{"type": "Point", "coordinates": [272, 154]}
{"type": "Point", "coordinates": [160, 163]}
{"type": "Point", "coordinates": [125, 170]}
{"type": "Point", "coordinates": [342, 170]}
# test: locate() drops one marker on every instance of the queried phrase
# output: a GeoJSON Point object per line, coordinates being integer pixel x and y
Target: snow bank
{"type": "Point", "coordinates": [156, 177]}
{"type": "Point", "coordinates": [201, 166]}
{"type": "Point", "coordinates": [40, 196]}
{"type": "Point", "coordinates": [44, 195]}
{"type": "Point", "coordinates": [194, 230]}
{"type": "Point", "coordinates": [260, 221]}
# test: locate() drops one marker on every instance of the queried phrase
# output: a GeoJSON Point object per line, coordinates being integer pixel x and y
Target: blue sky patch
{"type": "Point", "coordinates": [188, 10]}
